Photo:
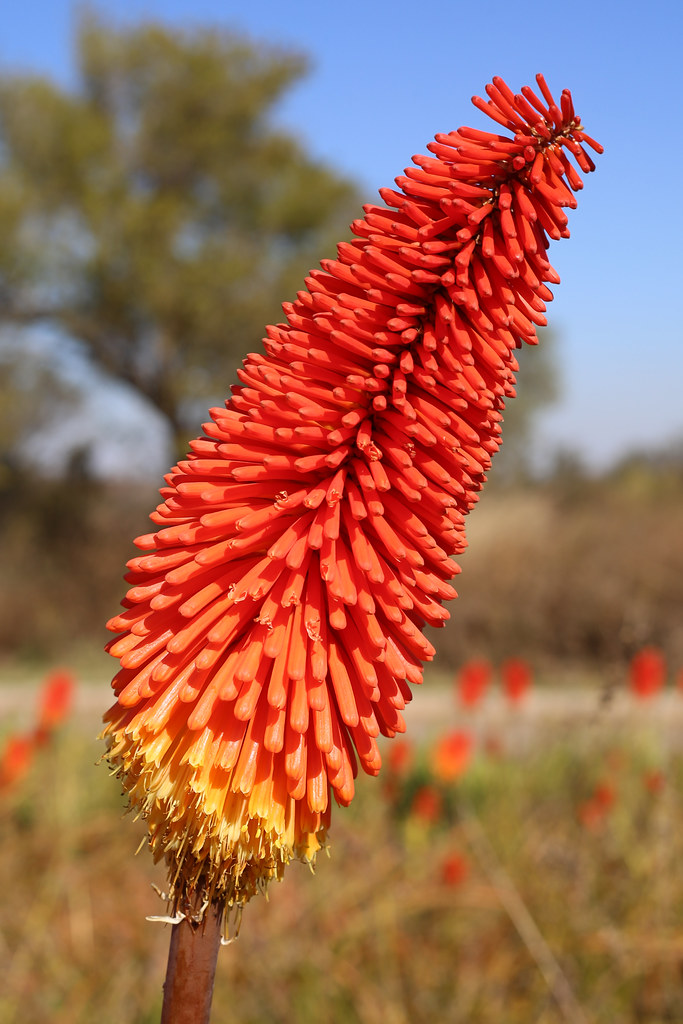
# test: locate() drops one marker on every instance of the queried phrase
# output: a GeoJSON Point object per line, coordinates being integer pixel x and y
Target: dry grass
{"type": "Point", "coordinates": [581, 578]}
{"type": "Point", "coordinates": [558, 575]}
{"type": "Point", "coordinates": [555, 921]}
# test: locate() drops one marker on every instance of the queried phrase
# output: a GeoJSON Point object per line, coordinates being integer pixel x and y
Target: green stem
{"type": "Point", "coordinates": [188, 988]}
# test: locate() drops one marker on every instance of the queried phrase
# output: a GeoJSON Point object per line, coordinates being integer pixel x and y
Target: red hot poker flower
{"type": "Point", "coordinates": [400, 758]}
{"type": "Point", "coordinates": [472, 682]}
{"type": "Point", "coordinates": [274, 622]}
{"type": "Point", "coordinates": [427, 805]}
{"type": "Point", "coordinates": [451, 755]}
{"type": "Point", "coordinates": [56, 699]}
{"type": "Point", "coordinates": [593, 812]}
{"type": "Point", "coordinates": [516, 678]}
{"type": "Point", "coordinates": [454, 870]}
{"type": "Point", "coordinates": [15, 760]}
{"type": "Point", "coordinates": [648, 673]}
{"type": "Point", "coordinates": [654, 781]}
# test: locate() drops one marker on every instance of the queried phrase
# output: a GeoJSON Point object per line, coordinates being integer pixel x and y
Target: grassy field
{"type": "Point", "coordinates": [541, 884]}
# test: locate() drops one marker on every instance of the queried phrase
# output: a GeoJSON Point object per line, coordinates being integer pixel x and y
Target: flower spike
{"type": "Point", "coordinates": [274, 621]}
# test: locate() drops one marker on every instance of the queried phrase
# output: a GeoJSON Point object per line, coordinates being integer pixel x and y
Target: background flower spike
{"type": "Point", "coordinates": [275, 620]}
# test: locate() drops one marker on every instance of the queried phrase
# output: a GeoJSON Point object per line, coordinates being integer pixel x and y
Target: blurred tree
{"type": "Point", "coordinates": [155, 215]}
{"type": "Point", "coordinates": [31, 394]}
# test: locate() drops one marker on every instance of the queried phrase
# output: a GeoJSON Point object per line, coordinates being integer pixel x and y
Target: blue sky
{"type": "Point", "coordinates": [386, 76]}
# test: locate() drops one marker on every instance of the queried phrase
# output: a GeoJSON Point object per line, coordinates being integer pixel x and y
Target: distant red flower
{"type": "Point", "coordinates": [400, 757]}
{"type": "Point", "coordinates": [275, 618]}
{"type": "Point", "coordinates": [654, 781]}
{"type": "Point", "coordinates": [15, 760]}
{"type": "Point", "coordinates": [605, 795]}
{"type": "Point", "coordinates": [647, 673]}
{"type": "Point", "coordinates": [55, 702]}
{"type": "Point", "coordinates": [454, 870]}
{"type": "Point", "coordinates": [451, 756]}
{"type": "Point", "coordinates": [593, 812]}
{"type": "Point", "coordinates": [472, 682]}
{"type": "Point", "coordinates": [427, 805]}
{"type": "Point", "coordinates": [590, 814]}
{"type": "Point", "coordinates": [516, 679]}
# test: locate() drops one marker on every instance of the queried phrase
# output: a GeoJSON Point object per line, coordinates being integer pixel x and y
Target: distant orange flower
{"type": "Point", "coordinates": [400, 757]}
{"type": "Point", "coordinates": [55, 702]}
{"type": "Point", "coordinates": [451, 755]}
{"type": "Point", "coordinates": [274, 622]}
{"type": "Point", "coordinates": [454, 870]}
{"type": "Point", "coordinates": [516, 678]}
{"type": "Point", "coordinates": [472, 681]}
{"type": "Point", "coordinates": [605, 795]}
{"type": "Point", "coordinates": [590, 814]}
{"type": "Point", "coordinates": [15, 760]}
{"type": "Point", "coordinates": [648, 673]}
{"type": "Point", "coordinates": [654, 781]}
{"type": "Point", "coordinates": [593, 812]}
{"type": "Point", "coordinates": [427, 805]}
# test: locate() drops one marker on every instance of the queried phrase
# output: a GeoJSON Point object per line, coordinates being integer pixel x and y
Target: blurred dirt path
{"type": "Point", "coordinates": [19, 703]}
{"type": "Point", "coordinates": [544, 716]}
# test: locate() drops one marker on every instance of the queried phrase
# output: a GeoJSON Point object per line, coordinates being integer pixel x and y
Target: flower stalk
{"type": "Point", "coordinates": [193, 952]}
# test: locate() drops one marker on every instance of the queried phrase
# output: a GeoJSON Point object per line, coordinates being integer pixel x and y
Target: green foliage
{"type": "Point", "coordinates": [31, 394]}
{"type": "Point", "coordinates": [155, 215]}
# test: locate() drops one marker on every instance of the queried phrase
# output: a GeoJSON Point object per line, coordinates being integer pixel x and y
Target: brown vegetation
{"type": "Point", "coordinates": [585, 574]}
{"type": "Point", "coordinates": [546, 889]}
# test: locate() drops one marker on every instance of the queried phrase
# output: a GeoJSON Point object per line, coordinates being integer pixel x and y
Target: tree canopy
{"type": "Point", "coordinates": [154, 213]}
